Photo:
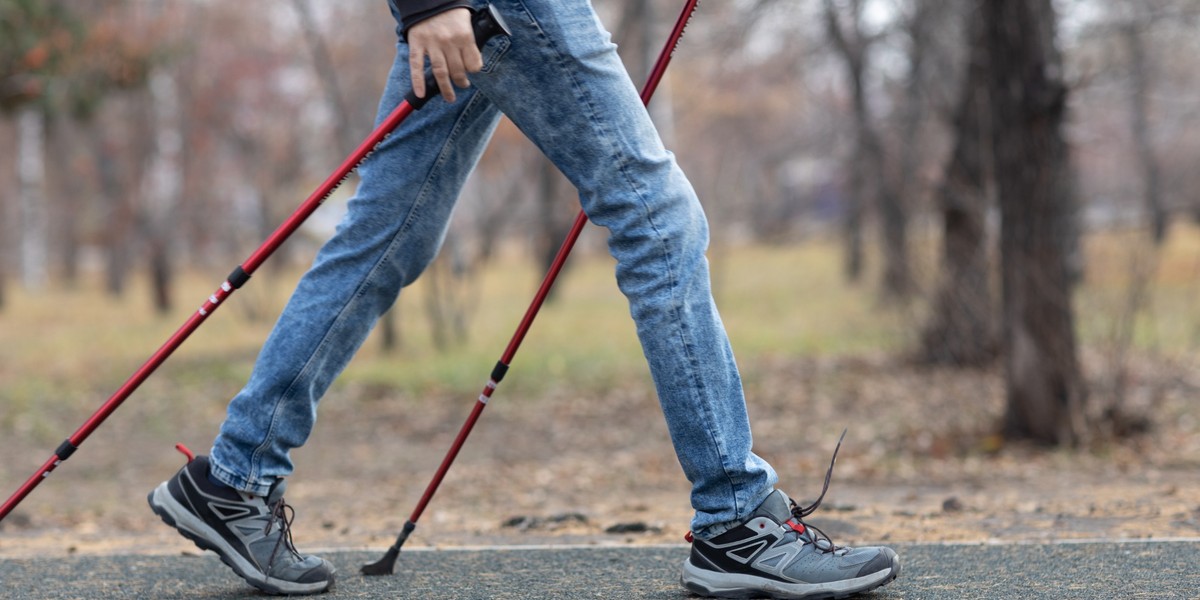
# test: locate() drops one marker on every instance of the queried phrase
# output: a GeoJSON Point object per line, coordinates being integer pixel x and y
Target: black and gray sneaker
{"type": "Point", "coordinates": [250, 533]}
{"type": "Point", "coordinates": [774, 553]}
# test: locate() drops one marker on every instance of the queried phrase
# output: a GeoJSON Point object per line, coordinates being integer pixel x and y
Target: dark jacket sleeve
{"type": "Point", "coordinates": [411, 12]}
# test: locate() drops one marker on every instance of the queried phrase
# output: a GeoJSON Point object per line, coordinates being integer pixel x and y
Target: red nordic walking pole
{"type": "Point", "coordinates": [487, 24]}
{"type": "Point", "coordinates": [387, 564]}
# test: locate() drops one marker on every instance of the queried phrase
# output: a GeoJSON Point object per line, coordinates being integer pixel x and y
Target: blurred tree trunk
{"type": "Point", "coordinates": [1045, 389]}
{"type": "Point", "coordinates": [919, 27]}
{"type": "Point", "coordinates": [66, 194]}
{"type": "Point", "coordinates": [449, 297]}
{"type": "Point", "coordinates": [162, 186]}
{"type": "Point", "coordinates": [6, 220]}
{"type": "Point", "coordinates": [1138, 89]}
{"type": "Point", "coordinates": [553, 221]}
{"type": "Point", "coordinates": [855, 198]}
{"type": "Point", "coordinates": [31, 195]}
{"type": "Point", "coordinates": [116, 215]}
{"type": "Point", "coordinates": [322, 64]}
{"type": "Point", "coordinates": [960, 329]}
{"type": "Point", "coordinates": [868, 166]}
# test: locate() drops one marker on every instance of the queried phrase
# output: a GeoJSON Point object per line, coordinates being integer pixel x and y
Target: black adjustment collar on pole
{"type": "Point", "coordinates": [238, 277]}
{"type": "Point", "coordinates": [499, 371]}
{"type": "Point", "coordinates": [65, 450]}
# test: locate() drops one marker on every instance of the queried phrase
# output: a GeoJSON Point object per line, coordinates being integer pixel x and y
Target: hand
{"type": "Point", "coordinates": [449, 41]}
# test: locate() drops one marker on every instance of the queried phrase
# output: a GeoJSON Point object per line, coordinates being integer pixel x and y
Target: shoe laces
{"type": "Point", "coordinates": [800, 512]}
{"type": "Point", "coordinates": [284, 514]}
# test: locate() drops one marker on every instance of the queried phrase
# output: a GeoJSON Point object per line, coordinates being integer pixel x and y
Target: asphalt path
{"type": "Point", "coordinates": [1160, 570]}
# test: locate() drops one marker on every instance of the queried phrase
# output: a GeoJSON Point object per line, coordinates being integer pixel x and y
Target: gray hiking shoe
{"type": "Point", "coordinates": [774, 553]}
{"type": "Point", "coordinates": [250, 533]}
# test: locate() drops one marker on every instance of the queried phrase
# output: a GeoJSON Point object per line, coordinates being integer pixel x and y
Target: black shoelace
{"type": "Point", "coordinates": [284, 514]}
{"type": "Point", "coordinates": [799, 512]}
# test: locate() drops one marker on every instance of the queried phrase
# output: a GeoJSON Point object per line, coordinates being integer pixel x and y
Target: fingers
{"type": "Point", "coordinates": [448, 68]}
{"type": "Point", "coordinates": [443, 67]}
{"type": "Point", "coordinates": [416, 67]}
{"type": "Point", "coordinates": [448, 41]}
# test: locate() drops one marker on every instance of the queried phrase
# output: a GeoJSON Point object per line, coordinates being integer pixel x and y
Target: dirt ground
{"type": "Point", "coordinates": [920, 463]}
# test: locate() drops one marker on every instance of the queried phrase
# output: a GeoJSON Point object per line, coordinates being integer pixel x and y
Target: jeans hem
{"type": "Point", "coordinates": [236, 481]}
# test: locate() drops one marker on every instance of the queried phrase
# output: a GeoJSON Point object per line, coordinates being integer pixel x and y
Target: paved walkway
{"type": "Point", "coordinates": [1160, 570]}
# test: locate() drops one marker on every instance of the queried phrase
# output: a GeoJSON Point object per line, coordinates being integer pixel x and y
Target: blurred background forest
{"type": "Point", "coordinates": [1006, 188]}
{"type": "Point", "coordinates": [965, 229]}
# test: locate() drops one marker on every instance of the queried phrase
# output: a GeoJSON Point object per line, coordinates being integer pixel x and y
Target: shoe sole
{"type": "Point", "coordinates": [735, 585]}
{"type": "Point", "coordinates": [195, 529]}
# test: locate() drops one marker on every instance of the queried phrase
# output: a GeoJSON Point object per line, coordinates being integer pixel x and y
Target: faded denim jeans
{"type": "Point", "coordinates": [559, 78]}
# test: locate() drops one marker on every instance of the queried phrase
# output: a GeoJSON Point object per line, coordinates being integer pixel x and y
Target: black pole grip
{"type": "Point", "coordinates": [487, 24]}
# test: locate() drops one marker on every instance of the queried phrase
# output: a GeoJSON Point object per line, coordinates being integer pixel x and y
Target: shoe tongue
{"type": "Point", "coordinates": [777, 506]}
{"type": "Point", "coordinates": [276, 492]}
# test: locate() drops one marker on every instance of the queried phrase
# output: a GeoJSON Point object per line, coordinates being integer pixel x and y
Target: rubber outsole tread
{"type": "Point", "coordinates": [700, 590]}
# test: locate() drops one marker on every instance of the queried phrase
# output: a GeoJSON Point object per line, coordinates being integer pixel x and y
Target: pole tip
{"type": "Point", "coordinates": [384, 566]}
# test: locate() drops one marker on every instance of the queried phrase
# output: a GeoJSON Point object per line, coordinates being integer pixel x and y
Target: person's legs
{"type": "Point", "coordinates": [395, 224]}
{"type": "Point", "coordinates": [563, 84]}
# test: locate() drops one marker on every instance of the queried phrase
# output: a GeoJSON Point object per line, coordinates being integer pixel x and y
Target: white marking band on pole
{"type": "Point", "coordinates": [491, 386]}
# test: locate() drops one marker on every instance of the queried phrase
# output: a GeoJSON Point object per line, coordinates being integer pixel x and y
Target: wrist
{"type": "Point", "coordinates": [416, 12]}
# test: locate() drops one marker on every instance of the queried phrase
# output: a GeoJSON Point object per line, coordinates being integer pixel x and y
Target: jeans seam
{"type": "Point", "coordinates": [426, 186]}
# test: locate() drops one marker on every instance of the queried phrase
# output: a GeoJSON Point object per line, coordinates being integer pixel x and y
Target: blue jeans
{"type": "Point", "coordinates": [559, 79]}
